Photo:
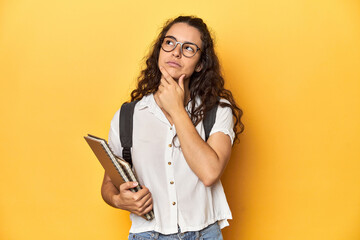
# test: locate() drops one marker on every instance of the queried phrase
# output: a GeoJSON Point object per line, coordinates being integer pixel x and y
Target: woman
{"type": "Point", "coordinates": [178, 170]}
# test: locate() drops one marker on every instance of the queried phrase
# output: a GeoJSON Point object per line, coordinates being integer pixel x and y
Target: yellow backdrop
{"type": "Point", "coordinates": [293, 66]}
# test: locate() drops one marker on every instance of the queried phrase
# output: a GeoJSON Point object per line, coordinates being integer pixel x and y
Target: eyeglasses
{"type": "Point", "coordinates": [188, 49]}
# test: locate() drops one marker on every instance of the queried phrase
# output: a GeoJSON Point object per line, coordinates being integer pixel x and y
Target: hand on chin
{"type": "Point", "coordinates": [175, 74]}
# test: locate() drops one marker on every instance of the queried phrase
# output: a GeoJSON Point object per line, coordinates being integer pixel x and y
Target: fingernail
{"type": "Point", "coordinates": [135, 184]}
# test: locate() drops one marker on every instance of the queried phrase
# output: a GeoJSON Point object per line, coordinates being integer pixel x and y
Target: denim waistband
{"type": "Point", "coordinates": [211, 230]}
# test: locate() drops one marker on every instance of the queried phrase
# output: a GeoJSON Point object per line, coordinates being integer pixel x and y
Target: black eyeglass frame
{"type": "Point", "coordinates": [181, 46]}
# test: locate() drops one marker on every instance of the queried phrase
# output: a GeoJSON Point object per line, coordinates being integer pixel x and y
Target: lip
{"type": "Point", "coordinates": [173, 64]}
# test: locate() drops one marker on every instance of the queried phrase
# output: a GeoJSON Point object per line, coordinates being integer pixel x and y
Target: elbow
{"type": "Point", "coordinates": [103, 194]}
{"type": "Point", "coordinates": [211, 175]}
{"type": "Point", "coordinates": [210, 180]}
{"type": "Point", "coordinates": [210, 172]}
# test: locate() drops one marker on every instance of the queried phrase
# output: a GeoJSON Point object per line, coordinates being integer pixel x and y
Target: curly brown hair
{"type": "Point", "coordinates": [208, 84]}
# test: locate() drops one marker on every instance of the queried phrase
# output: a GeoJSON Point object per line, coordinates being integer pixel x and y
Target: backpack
{"type": "Point", "coordinates": [126, 127]}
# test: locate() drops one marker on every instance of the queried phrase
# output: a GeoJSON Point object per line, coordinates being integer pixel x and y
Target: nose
{"type": "Point", "coordinates": [177, 51]}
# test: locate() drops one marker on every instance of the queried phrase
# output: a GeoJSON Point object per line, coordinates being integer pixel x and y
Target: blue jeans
{"type": "Point", "coordinates": [211, 232]}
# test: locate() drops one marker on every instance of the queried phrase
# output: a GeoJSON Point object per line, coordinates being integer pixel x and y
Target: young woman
{"type": "Point", "coordinates": [178, 170]}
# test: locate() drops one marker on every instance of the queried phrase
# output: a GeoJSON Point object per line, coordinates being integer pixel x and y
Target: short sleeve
{"type": "Point", "coordinates": [114, 138]}
{"type": "Point", "coordinates": [224, 121]}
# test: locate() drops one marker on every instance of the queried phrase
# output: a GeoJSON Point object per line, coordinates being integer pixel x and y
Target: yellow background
{"type": "Point", "coordinates": [294, 67]}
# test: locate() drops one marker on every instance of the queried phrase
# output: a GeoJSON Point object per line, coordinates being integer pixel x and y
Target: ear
{"type": "Point", "coordinates": [199, 67]}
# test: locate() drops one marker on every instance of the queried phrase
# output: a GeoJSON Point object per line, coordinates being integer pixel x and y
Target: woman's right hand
{"type": "Point", "coordinates": [138, 203]}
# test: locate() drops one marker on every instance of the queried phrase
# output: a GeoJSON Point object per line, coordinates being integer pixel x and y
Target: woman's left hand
{"type": "Point", "coordinates": [170, 93]}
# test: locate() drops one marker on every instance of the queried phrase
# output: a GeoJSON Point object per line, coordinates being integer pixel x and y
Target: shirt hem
{"type": "Point", "coordinates": [222, 223]}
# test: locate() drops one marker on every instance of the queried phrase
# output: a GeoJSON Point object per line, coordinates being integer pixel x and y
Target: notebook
{"type": "Point", "coordinates": [115, 167]}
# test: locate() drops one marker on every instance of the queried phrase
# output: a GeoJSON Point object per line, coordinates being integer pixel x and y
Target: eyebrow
{"type": "Point", "coordinates": [169, 36]}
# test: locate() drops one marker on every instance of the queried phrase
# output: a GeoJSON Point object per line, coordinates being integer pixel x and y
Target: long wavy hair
{"type": "Point", "coordinates": [208, 84]}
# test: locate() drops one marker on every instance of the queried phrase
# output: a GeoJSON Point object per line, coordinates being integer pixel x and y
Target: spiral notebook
{"type": "Point", "coordinates": [117, 168]}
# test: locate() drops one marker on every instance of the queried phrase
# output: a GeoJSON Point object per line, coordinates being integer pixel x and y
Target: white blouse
{"type": "Point", "coordinates": [179, 197]}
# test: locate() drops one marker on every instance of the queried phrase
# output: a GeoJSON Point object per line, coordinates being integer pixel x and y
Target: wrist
{"type": "Point", "coordinates": [116, 201]}
{"type": "Point", "coordinates": [174, 109]}
{"type": "Point", "coordinates": [180, 116]}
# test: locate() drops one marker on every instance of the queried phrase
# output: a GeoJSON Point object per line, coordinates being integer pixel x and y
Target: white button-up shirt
{"type": "Point", "coordinates": [179, 197]}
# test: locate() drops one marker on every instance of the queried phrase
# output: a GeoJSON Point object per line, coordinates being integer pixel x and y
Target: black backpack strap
{"type": "Point", "coordinates": [126, 129]}
{"type": "Point", "coordinates": [209, 120]}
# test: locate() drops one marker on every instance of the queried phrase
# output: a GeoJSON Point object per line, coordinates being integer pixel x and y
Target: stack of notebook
{"type": "Point", "coordinates": [117, 168]}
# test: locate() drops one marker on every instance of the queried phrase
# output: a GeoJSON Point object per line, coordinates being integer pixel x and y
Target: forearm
{"type": "Point", "coordinates": [206, 159]}
{"type": "Point", "coordinates": [108, 190]}
{"type": "Point", "coordinates": [199, 155]}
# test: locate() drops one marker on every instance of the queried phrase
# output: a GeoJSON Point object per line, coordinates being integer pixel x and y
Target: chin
{"type": "Point", "coordinates": [176, 77]}
{"type": "Point", "coordinates": [174, 73]}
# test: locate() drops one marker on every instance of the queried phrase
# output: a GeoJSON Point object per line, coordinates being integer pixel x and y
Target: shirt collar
{"type": "Point", "coordinates": [146, 101]}
{"type": "Point", "coordinates": [149, 102]}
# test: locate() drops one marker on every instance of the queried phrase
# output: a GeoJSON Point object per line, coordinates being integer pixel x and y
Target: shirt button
{"type": "Point", "coordinates": [169, 163]}
{"type": "Point", "coordinates": [170, 128]}
{"type": "Point", "coordinates": [170, 145]}
{"type": "Point", "coordinates": [171, 182]}
{"type": "Point", "coordinates": [173, 203]}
